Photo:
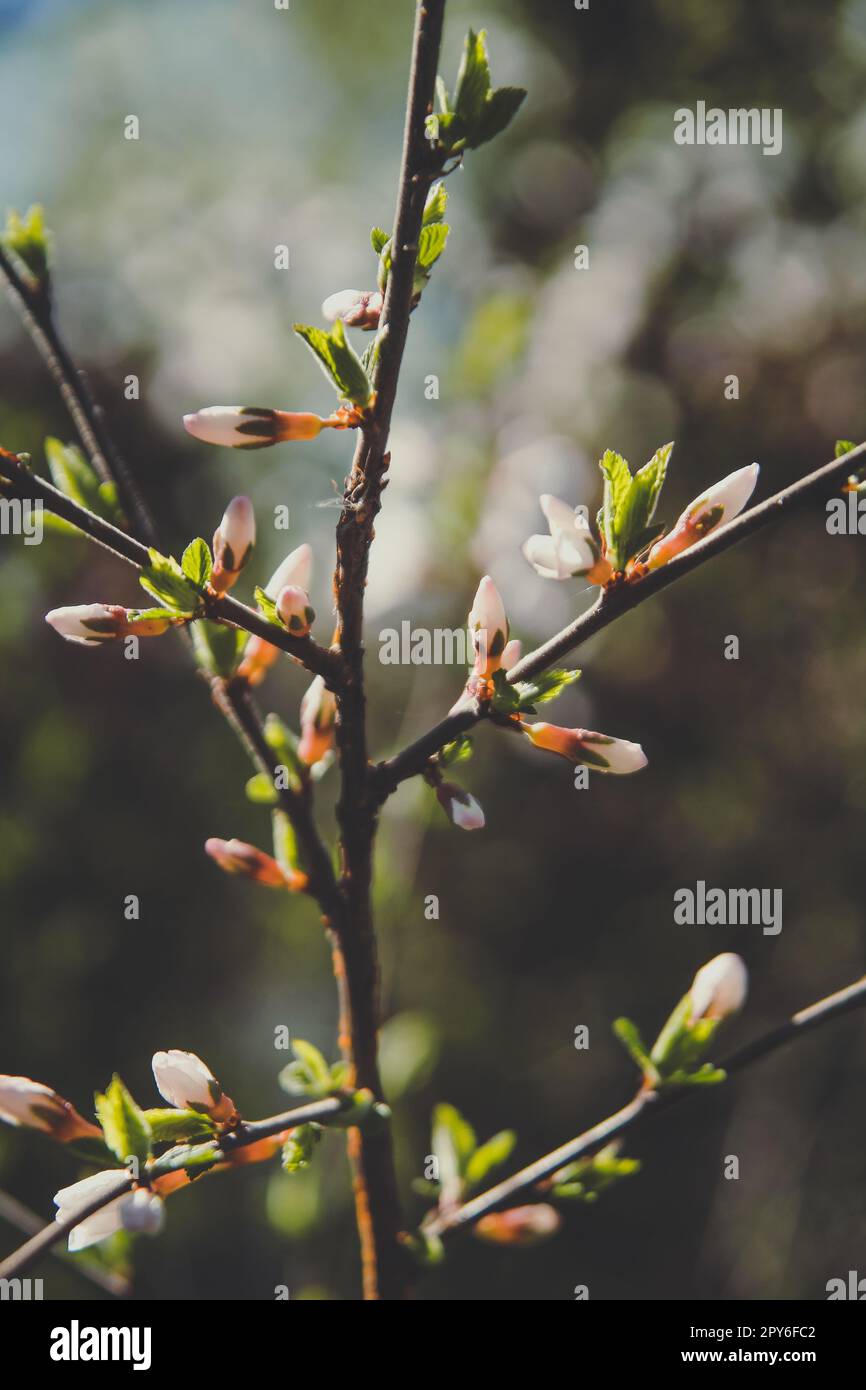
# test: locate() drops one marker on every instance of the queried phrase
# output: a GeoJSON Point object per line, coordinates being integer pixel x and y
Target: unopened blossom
{"type": "Point", "coordinates": [259, 655]}
{"type": "Point", "coordinates": [90, 624]}
{"type": "Point", "coordinates": [254, 427]}
{"type": "Point", "coordinates": [184, 1080]}
{"type": "Point", "coordinates": [488, 626]}
{"type": "Point", "coordinates": [356, 308]}
{"type": "Point", "coordinates": [719, 987]}
{"type": "Point", "coordinates": [238, 857]}
{"type": "Point", "coordinates": [233, 543]}
{"type": "Point", "coordinates": [139, 1211]}
{"type": "Point", "coordinates": [318, 721]}
{"type": "Point", "coordinates": [599, 752]}
{"type": "Point", "coordinates": [570, 549]}
{"type": "Point", "coordinates": [520, 1226]}
{"type": "Point", "coordinates": [460, 807]}
{"type": "Point", "coordinates": [722, 502]}
{"type": "Point", "coordinates": [511, 654]}
{"type": "Point", "coordinates": [293, 606]}
{"type": "Point", "coordinates": [36, 1106]}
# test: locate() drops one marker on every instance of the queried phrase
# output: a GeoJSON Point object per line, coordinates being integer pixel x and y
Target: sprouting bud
{"type": "Point", "coordinates": [722, 502]}
{"type": "Point", "coordinates": [519, 1226]}
{"type": "Point", "coordinates": [93, 623]}
{"type": "Point", "coordinates": [297, 568]}
{"type": "Point", "coordinates": [252, 427]}
{"type": "Point", "coordinates": [233, 543]}
{"type": "Point", "coordinates": [293, 606]}
{"type": "Point", "coordinates": [185, 1081]}
{"type": "Point", "coordinates": [719, 987]}
{"type": "Point", "coordinates": [139, 1211]}
{"type": "Point", "coordinates": [460, 807]}
{"type": "Point", "coordinates": [570, 549]}
{"type": "Point", "coordinates": [511, 654]}
{"type": "Point", "coordinates": [599, 752]}
{"type": "Point", "coordinates": [237, 857]}
{"type": "Point", "coordinates": [318, 720]}
{"type": "Point", "coordinates": [488, 626]}
{"type": "Point", "coordinates": [35, 1106]}
{"type": "Point", "coordinates": [356, 308]}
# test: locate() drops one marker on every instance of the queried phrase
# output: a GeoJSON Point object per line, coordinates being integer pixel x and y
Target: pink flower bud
{"type": "Point", "coordinates": [356, 308]}
{"type": "Point", "coordinates": [233, 543]}
{"type": "Point", "coordinates": [251, 427]}
{"type": "Point", "coordinates": [719, 987]}
{"type": "Point", "coordinates": [511, 654]}
{"type": "Point", "coordinates": [318, 720]}
{"type": "Point", "coordinates": [293, 606]}
{"type": "Point", "coordinates": [722, 502]}
{"type": "Point", "coordinates": [297, 568]}
{"type": "Point", "coordinates": [519, 1226]}
{"type": "Point", "coordinates": [599, 752]}
{"type": "Point", "coordinates": [461, 808]}
{"type": "Point", "coordinates": [237, 857]}
{"type": "Point", "coordinates": [35, 1106]}
{"type": "Point", "coordinates": [489, 628]}
{"type": "Point", "coordinates": [90, 624]}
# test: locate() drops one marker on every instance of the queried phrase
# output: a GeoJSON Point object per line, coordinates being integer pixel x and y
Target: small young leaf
{"type": "Point", "coordinates": [543, 687]}
{"type": "Point", "coordinates": [26, 237]}
{"type": "Point", "coordinates": [260, 789]}
{"type": "Point", "coordinates": [267, 606]}
{"type": "Point", "coordinates": [124, 1124]}
{"type": "Point", "coordinates": [379, 239]}
{"type": "Point", "coordinates": [498, 111]}
{"type": "Point", "coordinates": [170, 1125]}
{"type": "Point", "coordinates": [843, 446]}
{"type": "Point", "coordinates": [473, 79]}
{"type": "Point", "coordinates": [459, 750]}
{"type": "Point", "coordinates": [488, 1156]}
{"type": "Point", "coordinates": [298, 1149]}
{"type": "Point", "coordinates": [196, 563]}
{"type": "Point", "coordinates": [453, 1142]}
{"type": "Point", "coordinates": [165, 581]}
{"type": "Point", "coordinates": [431, 244]}
{"type": "Point", "coordinates": [634, 1045]}
{"type": "Point", "coordinates": [338, 360]}
{"type": "Point", "coordinates": [218, 648]}
{"type": "Point", "coordinates": [434, 208]}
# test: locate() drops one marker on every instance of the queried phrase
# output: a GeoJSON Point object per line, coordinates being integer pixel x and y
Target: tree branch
{"type": "Point", "coordinates": [611, 604]}
{"type": "Point", "coordinates": [355, 954]}
{"type": "Point", "coordinates": [647, 1102]}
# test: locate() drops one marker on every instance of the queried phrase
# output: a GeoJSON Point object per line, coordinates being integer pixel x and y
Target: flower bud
{"type": "Point", "coordinates": [519, 1226]}
{"type": "Point", "coordinates": [599, 752]}
{"type": "Point", "coordinates": [297, 568]}
{"type": "Point", "coordinates": [251, 427]}
{"type": "Point", "coordinates": [293, 606]}
{"type": "Point", "coordinates": [237, 857]}
{"type": "Point", "coordinates": [185, 1081]}
{"type": "Point", "coordinates": [719, 987]}
{"type": "Point", "coordinates": [318, 719]}
{"type": "Point", "coordinates": [722, 502]}
{"type": "Point", "coordinates": [570, 549]}
{"type": "Point", "coordinates": [357, 308]}
{"type": "Point", "coordinates": [29, 1103]}
{"type": "Point", "coordinates": [140, 1211]}
{"type": "Point", "coordinates": [511, 654]}
{"type": "Point", "coordinates": [233, 543]}
{"type": "Point", "coordinates": [89, 624]}
{"type": "Point", "coordinates": [460, 807]}
{"type": "Point", "coordinates": [489, 628]}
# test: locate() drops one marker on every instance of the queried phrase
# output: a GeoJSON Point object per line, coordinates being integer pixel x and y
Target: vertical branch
{"type": "Point", "coordinates": [354, 942]}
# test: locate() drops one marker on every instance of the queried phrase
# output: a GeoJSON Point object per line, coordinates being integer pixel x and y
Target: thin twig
{"type": "Point", "coordinates": [354, 943]}
{"type": "Point", "coordinates": [611, 604]}
{"type": "Point", "coordinates": [647, 1102]}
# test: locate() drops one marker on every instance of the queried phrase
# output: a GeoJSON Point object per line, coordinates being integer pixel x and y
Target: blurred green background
{"type": "Point", "coordinates": [261, 127]}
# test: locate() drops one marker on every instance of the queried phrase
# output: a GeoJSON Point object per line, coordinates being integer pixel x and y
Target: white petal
{"type": "Point", "coordinates": [217, 424]}
{"type": "Point", "coordinates": [100, 1226]}
{"type": "Point", "coordinates": [731, 493]}
{"type": "Point", "coordinates": [467, 814]}
{"type": "Point", "coordinates": [621, 756]}
{"type": "Point", "coordinates": [545, 557]}
{"type": "Point", "coordinates": [238, 526]}
{"type": "Point", "coordinates": [81, 1194]}
{"type": "Point", "coordinates": [183, 1079]}
{"type": "Point", "coordinates": [488, 610]}
{"type": "Point", "coordinates": [142, 1212]}
{"type": "Point", "coordinates": [719, 987]}
{"type": "Point", "coordinates": [296, 569]}
{"type": "Point", "coordinates": [336, 305]}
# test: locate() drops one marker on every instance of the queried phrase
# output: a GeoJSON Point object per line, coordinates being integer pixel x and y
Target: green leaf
{"type": "Point", "coordinates": [299, 1147]}
{"type": "Point", "coordinates": [26, 237]}
{"type": "Point", "coordinates": [218, 647]}
{"type": "Point", "coordinates": [75, 478]}
{"type": "Point", "coordinates": [379, 239]}
{"type": "Point", "coordinates": [309, 1074]}
{"type": "Point", "coordinates": [453, 1142]}
{"type": "Point", "coordinates": [498, 111]}
{"type": "Point", "coordinates": [587, 1177]}
{"type": "Point", "coordinates": [286, 851]}
{"type": "Point", "coordinates": [124, 1124]}
{"type": "Point", "coordinates": [473, 79]}
{"type": "Point", "coordinates": [543, 687]}
{"type": "Point", "coordinates": [434, 208]}
{"type": "Point", "coordinates": [488, 1156]}
{"type": "Point", "coordinates": [506, 697]}
{"type": "Point", "coordinates": [843, 446]}
{"type": "Point", "coordinates": [634, 1045]}
{"type": "Point", "coordinates": [170, 1125]}
{"type": "Point", "coordinates": [267, 606]}
{"type": "Point", "coordinates": [431, 244]}
{"type": "Point", "coordinates": [338, 360]}
{"type": "Point", "coordinates": [617, 482]}
{"type": "Point", "coordinates": [459, 750]}
{"type": "Point", "coordinates": [165, 581]}
{"type": "Point", "coordinates": [260, 789]}
{"type": "Point", "coordinates": [196, 562]}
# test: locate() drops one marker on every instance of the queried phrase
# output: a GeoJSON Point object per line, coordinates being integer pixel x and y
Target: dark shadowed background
{"type": "Point", "coordinates": [261, 127]}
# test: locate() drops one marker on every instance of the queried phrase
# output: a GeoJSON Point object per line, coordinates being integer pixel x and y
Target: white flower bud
{"type": "Point", "coordinates": [489, 627]}
{"type": "Point", "coordinates": [184, 1080]}
{"type": "Point", "coordinates": [297, 569]}
{"type": "Point", "coordinates": [87, 623]}
{"type": "Point", "coordinates": [251, 427]}
{"type": "Point", "coordinates": [719, 988]}
{"type": "Point", "coordinates": [460, 806]}
{"type": "Point", "coordinates": [293, 606]}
